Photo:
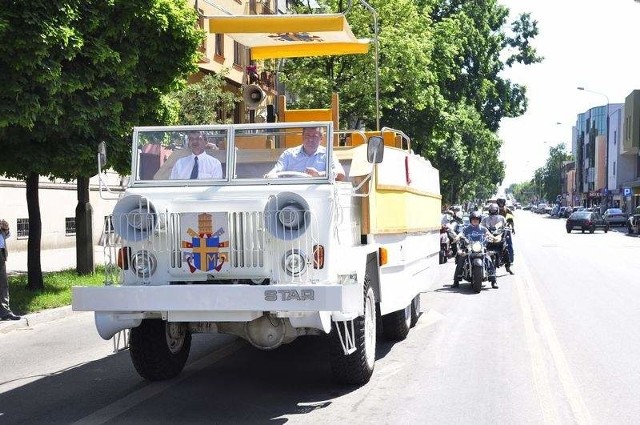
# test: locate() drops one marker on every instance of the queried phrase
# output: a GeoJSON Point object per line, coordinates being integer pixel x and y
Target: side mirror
{"type": "Point", "coordinates": [375, 149]}
{"type": "Point", "coordinates": [102, 154]}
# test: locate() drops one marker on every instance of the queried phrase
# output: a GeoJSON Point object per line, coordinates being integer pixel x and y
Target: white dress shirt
{"type": "Point", "coordinates": [208, 167]}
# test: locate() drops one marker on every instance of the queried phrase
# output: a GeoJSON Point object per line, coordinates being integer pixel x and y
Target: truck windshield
{"type": "Point", "coordinates": [221, 154]}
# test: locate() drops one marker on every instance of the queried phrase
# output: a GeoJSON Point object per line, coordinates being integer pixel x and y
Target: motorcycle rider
{"type": "Point", "coordinates": [493, 221]}
{"type": "Point", "coordinates": [506, 212]}
{"type": "Point", "coordinates": [474, 232]}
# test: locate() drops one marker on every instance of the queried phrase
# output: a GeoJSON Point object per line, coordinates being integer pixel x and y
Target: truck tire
{"type": "Point", "coordinates": [396, 325]}
{"type": "Point", "coordinates": [476, 279]}
{"type": "Point", "coordinates": [357, 367]}
{"type": "Point", "coordinates": [415, 310]}
{"type": "Point", "coordinates": [155, 353]}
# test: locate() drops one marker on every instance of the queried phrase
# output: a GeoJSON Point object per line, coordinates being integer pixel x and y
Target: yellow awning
{"type": "Point", "coordinates": [288, 36]}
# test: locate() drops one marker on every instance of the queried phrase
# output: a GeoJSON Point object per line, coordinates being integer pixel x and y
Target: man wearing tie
{"type": "Point", "coordinates": [198, 165]}
{"type": "Point", "coordinates": [5, 311]}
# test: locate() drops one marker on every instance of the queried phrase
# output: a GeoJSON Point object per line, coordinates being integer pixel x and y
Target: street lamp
{"type": "Point", "coordinates": [606, 154]}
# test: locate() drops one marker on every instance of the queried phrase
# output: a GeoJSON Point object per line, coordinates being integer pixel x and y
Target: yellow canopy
{"type": "Point", "coordinates": [289, 36]}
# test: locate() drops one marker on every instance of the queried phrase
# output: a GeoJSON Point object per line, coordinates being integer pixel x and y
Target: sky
{"type": "Point", "coordinates": [585, 43]}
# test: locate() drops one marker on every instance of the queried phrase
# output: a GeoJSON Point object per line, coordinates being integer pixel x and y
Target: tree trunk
{"type": "Point", "coordinates": [34, 267]}
{"type": "Point", "coordinates": [84, 229]}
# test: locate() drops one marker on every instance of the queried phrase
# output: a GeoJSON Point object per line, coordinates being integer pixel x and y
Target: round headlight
{"type": "Point", "coordinates": [144, 264]}
{"type": "Point", "coordinates": [294, 262]}
{"type": "Point", "coordinates": [476, 247]}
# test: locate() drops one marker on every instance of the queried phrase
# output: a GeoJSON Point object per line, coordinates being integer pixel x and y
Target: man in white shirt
{"type": "Point", "coordinates": [5, 311]}
{"type": "Point", "coordinates": [198, 165]}
{"type": "Point", "coordinates": [309, 158]}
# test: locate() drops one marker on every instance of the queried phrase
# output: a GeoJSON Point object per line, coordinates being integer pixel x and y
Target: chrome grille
{"type": "Point", "coordinates": [246, 239]}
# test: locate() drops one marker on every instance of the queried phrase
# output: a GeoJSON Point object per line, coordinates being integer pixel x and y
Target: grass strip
{"type": "Point", "coordinates": [56, 292]}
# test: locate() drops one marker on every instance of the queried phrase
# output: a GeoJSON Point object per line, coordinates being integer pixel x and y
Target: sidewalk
{"type": "Point", "coordinates": [52, 260]}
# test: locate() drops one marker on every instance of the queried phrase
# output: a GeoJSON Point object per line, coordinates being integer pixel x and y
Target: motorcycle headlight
{"type": "Point", "coordinates": [294, 262]}
{"type": "Point", "coordinates": [144, 264]}
{"type": "Point", "coordinates": [476, 247]}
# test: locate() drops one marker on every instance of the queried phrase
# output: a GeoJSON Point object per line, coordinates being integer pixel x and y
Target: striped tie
{"type": "Point", "coordinates": [194, 171]}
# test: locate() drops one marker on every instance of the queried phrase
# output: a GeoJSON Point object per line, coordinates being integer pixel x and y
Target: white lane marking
{"type": "Point", "coordinates": [529, 295]}
{"type": "Point", "coordinates": [118, 407]}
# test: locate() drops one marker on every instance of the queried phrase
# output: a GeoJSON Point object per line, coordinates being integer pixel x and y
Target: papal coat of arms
{"type": "Point", "coordinates": [206, 251]}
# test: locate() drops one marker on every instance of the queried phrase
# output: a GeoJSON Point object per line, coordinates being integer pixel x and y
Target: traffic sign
{"type": "Point", "coordinates": [626, 191]}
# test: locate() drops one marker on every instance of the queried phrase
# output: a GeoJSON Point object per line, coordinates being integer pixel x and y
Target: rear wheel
{"type": "Point", "coordinates": [356, 368]}
{"type": "Point", "coordinates": [158, 349]}
{"type": "Point", "coordinates": [395, 326]}
{"type": "Point", "coordinates": [476, 279]}
{"type": "Point", "coordinates": [606, 228]}
{"type": "Point", "coordinates": [592, 229]}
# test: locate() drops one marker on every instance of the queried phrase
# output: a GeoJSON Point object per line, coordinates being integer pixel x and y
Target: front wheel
{"type": "Point", "coordinates": [592, 229]}
{"type": "Point", "coordinates": [356, 368]}
{"type": "Point", "coordinates": [395, 326]}
{"type": "Point", "coordinates": [476, 279]}
{"type": "Point", "coordinates": [158, 349]}
{"type": "Point", "coordinates": [569, 229]}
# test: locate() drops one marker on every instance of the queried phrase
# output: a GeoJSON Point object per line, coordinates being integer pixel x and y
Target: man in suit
{"type": "Point", "coordinates": [5, 311]}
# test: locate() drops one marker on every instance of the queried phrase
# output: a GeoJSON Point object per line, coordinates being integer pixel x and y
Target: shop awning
{"type": "Point", "coordinates": [290, 36]}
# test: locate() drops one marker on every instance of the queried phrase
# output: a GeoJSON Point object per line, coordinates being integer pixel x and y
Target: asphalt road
{"type": "Point", "coordinates": [556, 343]}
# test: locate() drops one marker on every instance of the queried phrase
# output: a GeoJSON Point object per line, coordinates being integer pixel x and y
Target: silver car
{"type": "Point", "coordinates": [615, 217]}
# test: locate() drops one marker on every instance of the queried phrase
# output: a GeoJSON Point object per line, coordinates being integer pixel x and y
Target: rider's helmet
{"type": "Point", "coordinates": [493, 209]}
{"type": "Point", "coordinates": [501, 202]}
{"type": "Point", "coordinates": [475, 215]}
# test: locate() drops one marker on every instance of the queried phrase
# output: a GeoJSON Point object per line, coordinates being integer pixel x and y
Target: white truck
{"type": "Point", "coordinates": [268, 259]}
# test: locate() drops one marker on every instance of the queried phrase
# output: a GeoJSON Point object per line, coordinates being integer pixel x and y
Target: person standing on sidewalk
{"type": "Point", "coordinates": [5, 311]}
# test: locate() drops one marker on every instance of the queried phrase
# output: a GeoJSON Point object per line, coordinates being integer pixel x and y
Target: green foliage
{"type": "Point", "coordinates": [440, 82]}
{"type": "Point", "coordinates": [202, 102]}
{"type": "Point", "coordinates": [546, 183]}
{"type": "Point", "coordinates": [56, 292]}
{"type": "Point", "coordinates": [81, 72]}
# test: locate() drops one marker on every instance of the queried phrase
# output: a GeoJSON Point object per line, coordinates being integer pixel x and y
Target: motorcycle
{"type": "Point", "coordinates": [497, 248]}
{"type": "Point", "coordinates": [475, 266]}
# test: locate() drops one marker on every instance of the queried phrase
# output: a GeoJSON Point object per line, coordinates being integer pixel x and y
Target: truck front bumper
{"type": "Point", "coordinates": [221, 298]}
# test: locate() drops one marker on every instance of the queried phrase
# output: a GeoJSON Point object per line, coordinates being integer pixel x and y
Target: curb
{"type": "Point", "coordinates": [32, 319]}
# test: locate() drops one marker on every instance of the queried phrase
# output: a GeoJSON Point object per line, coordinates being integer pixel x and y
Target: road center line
{"type": "Point", "coordinates": [530, 297]}
{"type": "Point", "coordinates": [118, 407]}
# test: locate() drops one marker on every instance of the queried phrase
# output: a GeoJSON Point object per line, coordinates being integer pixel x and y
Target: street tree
{"type": "Point", "coordinates": [88, 71]}
{"type": "Point", "coordinates": [205, 102]}
{"type": "Point", "coordinates": [441, 64]}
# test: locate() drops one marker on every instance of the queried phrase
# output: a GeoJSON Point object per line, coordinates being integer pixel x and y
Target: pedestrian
{"type": "Point", "coordinates": [5, 311]}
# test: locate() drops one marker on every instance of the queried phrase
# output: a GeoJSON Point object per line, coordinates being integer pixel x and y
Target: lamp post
{"type": "Point", "coordinates": [606, 155]}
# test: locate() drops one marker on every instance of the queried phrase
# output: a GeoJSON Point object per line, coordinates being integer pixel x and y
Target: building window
{"type": "Point", "coordinates": [70, 226]}
{"type": "Point", "coordinates": [614, 168]}
{"type": "Point", "coordinates": [22, 227]}
{"type": "Point", "coordinates": [237, 53]}
{"type": "Point", "coordinates": [220, 45]}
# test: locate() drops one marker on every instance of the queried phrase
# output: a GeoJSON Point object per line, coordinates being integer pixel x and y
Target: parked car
{"type": "Point", "coordinates": [633, 223]}
{"type": "Point", "coordinates": [586, 220]}
{"type": "Point", "coordinates": [615, 217]}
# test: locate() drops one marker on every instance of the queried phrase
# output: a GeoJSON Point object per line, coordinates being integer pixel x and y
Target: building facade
{"type": "Point", "coordinates": [629, 148]}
